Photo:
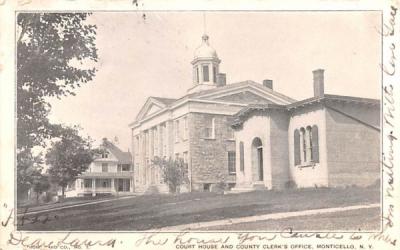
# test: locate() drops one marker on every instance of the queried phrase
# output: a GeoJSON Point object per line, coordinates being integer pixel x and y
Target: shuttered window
{"type": "Point", "coordinates": [315, 145]}
{"type": "Point", "coordinates": [241, 146]}
{"type": "Point", "coordinates": [297, 147]}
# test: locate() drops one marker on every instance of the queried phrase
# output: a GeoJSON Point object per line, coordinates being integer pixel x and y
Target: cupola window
{"type": "Point", "coordinates": [206, 75]}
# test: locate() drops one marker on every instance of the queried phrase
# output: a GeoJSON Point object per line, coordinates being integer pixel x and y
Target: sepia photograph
{"type": "Point", "coordinates": [206, 121]}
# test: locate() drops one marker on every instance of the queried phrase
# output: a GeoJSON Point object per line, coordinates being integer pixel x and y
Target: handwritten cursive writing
{"type": "Point", "coordinates": [19, 239]}
{"type": "Point", "coordinates": [289, 233]}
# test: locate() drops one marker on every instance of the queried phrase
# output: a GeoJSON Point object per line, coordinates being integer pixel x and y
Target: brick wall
{"type": "Point", "coordinates": [353, 148]}
{"type": "Point", "coordinates": [209, 157]}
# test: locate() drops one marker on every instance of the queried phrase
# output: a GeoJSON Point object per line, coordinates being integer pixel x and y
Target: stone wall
{"type": "Point", "coordinates": [353, 149]}
{"type": "Point", "coordinates": [209, 157]}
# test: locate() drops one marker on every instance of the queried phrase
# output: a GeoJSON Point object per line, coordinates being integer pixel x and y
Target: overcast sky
{"type": "Point", "coordinates": [141, 58]}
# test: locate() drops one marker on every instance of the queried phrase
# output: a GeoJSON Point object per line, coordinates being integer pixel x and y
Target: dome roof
{"type": "Point", "coordinates": [205, 50]}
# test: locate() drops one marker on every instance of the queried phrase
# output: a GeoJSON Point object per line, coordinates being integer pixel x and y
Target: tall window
{"type": "Point", "coordinates": [176, 130]}
{"type": "Point", "coordinates": [297, 158]}
{"type": "Point", "coordinates": [306, 147]}
{"type": "Point", "coordinates": [209, 130]}
{"type": "Point", "coordinates": [104, 167]}
{"type": "Point", "coordinates": [232, 162]}
{"type": "Point", "coordinates": [303, 145]}
{"type": "Point", "coordinates": [315, 144]}
{"type": "Point", "coordinates": [206, 73]}
{"type": "Point", "coordinates": [185, 128]}
{"type": "Point", "coordinates": [308, 144]}
{"type": "Point", "coordinates": [241, 149]}
{"type": "Point", "coordinates": [197, 74]}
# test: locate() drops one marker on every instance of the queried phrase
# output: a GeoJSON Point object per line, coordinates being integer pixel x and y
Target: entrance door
{"type": "Point", "coordinates": [257, 161]}
{"type": "Point", "coordinates": [260, 163]}
{"type": "Point", "coordinates": [120, 185]}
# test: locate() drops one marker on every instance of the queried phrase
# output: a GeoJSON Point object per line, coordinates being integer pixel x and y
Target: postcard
{"type": "Point", "coordinates": [199, 125]}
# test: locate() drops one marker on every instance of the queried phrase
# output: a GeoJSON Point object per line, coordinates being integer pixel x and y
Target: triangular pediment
{"type": "Point", "coordinates": [247, 93]}
{"type": "Point", "coordinates": [245, 97]}
{"type": "Point", "coordinates": [151, 106]}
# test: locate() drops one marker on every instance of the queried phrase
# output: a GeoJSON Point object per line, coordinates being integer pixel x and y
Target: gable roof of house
{"type": "Point", "coordinates": [241, 116]}
{"type": "Point", "coordinates": [122, 157]}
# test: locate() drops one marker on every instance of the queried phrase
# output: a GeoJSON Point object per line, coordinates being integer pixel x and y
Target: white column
{"type": "Point", "coordinates": [211, 73]}
{"type": "Point", "coordinates": [131, 185]}
{"type": "Point", "coordinates": [93, 187]}
{"type": "Point", "coordinates": [112, 186]}
{"type": "Point", "coordinates": [200, 73]}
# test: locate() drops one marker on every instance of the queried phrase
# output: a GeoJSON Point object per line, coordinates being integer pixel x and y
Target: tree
{"type": "Point", "coordinates": [29, 167]}
{"type": "Point", "coordinates": [69, 157]}
{"type": "Point", "coordinates": [51, 50]}
{"type": "Point", "coordinates": [174, 172]}
{"type": "Point", "coordinates": [40, 184]}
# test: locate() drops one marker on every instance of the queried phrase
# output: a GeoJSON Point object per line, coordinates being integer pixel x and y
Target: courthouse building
{"type": "Point", "coordinates": [247, 134]}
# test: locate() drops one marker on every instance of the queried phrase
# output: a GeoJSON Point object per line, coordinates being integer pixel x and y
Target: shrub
{"type": "Point", "coordinates": [290, 184]}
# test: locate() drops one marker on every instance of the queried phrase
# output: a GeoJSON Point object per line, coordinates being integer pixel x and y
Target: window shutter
{"type": "Point", "coordinates": [315, 145]}
{"type": "Point", "coordinates": [241, 157]}
{"type": "Point", "coordinates": [296, 147]}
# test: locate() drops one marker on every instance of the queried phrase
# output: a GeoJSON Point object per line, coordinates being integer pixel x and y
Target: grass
{"type": "Point", "coordinates": [156, 211]}
{"type": "Point", "coordinates": [67, 201]}
{"type": "Point", "coordinates": [354, 220]}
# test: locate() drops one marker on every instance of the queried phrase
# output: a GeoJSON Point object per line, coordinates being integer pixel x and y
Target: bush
{"type": "Point", "coordinates": [290, 185]}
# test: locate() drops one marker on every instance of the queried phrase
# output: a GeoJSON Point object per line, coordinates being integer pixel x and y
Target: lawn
{"type": "Point", "coordinates": [156, 211]}
{"type": "Point", "coordinates": [355, 220]}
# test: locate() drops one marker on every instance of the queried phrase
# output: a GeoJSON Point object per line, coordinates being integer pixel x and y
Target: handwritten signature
{"type": "Point", "coordinates": [19, 239]}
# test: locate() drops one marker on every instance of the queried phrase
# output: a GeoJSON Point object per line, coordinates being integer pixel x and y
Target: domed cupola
{"type": "Point", "coordinates": [205, 67]}
{"type": "Point", "coordinates": [205, 51]}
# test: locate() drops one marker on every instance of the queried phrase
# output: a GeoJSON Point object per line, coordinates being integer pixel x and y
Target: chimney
{"type": "Point", "coordinates": [318, 76]}
{"type": "Point", "coordinates": [221, 79]}
{"type": "Point", "coordinates": [267, 83]}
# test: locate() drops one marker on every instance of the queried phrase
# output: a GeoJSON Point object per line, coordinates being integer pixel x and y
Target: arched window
{"type": "Point", "coordinates": [303, 145]}
{"type": "Point", "coordinates": [241, 149]}
{"type": "Point", "coordinates": [308, 144]}
{"type": "Point", "coordinates": [297, 159]}
{"type": "Point", "coordinates": [315, 145]}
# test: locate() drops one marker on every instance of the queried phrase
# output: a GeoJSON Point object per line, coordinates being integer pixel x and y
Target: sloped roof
{"type": "Point", "coordinates": [241, 116]}
{"type": "Point", "coordinates": [211, 94]}
{"type": "Point", "coordinates": [166, 101]}
{"type": "Point", "coordinates": [122, 157]}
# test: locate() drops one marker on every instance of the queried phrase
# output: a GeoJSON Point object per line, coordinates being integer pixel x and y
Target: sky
{"type": "Point", "coordinates": [140, 57]}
